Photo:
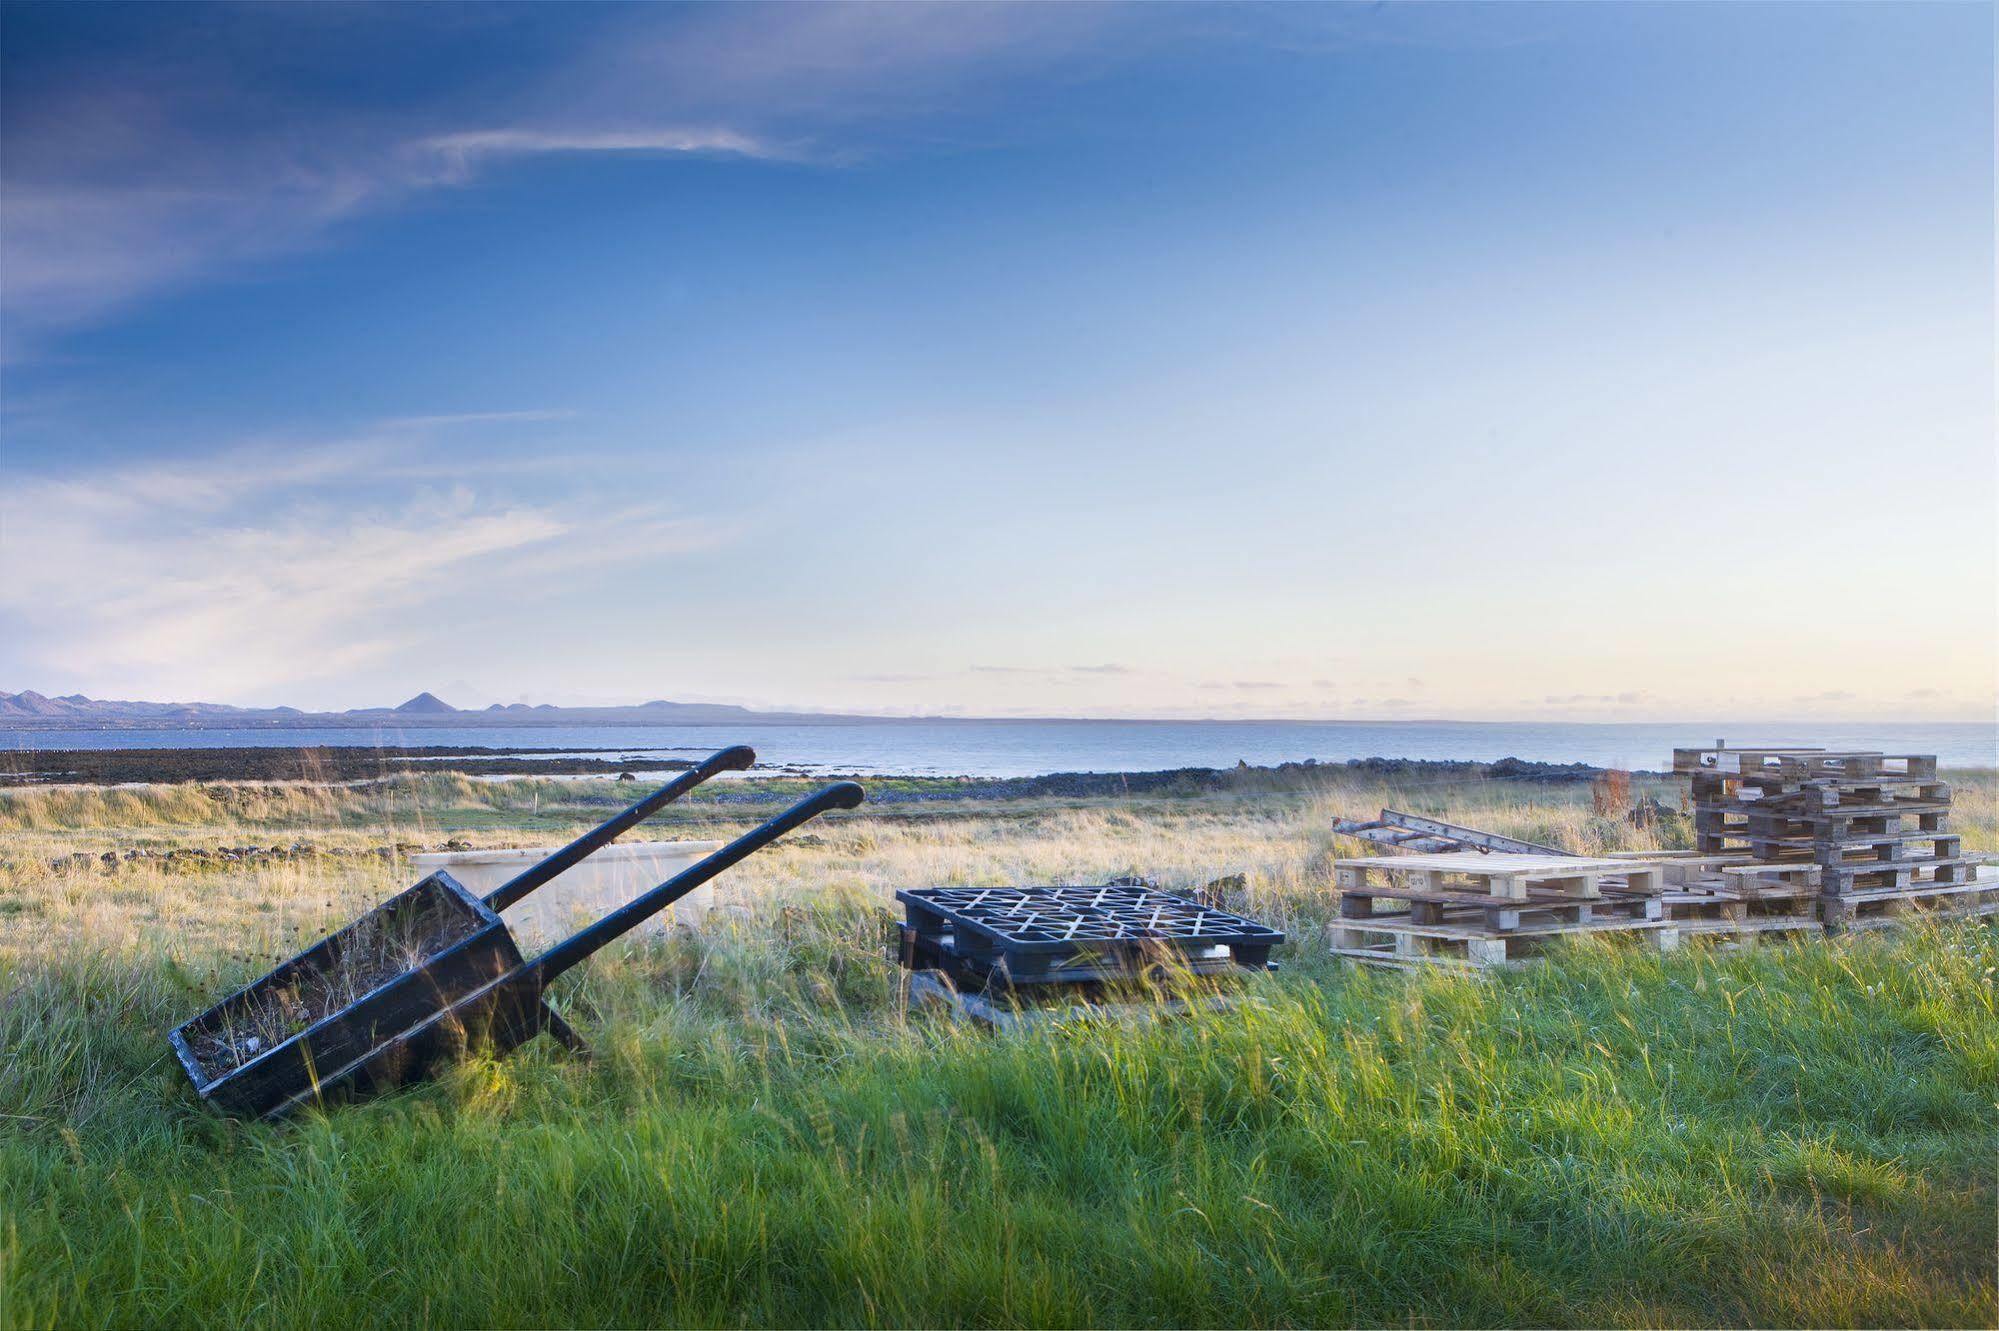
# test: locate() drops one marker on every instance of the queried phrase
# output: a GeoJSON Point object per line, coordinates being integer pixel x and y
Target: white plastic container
{"type": "Point", "coordinates": [599, 885]}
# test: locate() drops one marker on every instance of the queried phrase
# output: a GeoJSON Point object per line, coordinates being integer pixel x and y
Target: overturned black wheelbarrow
{"type": "Point", "coordinates": [431, 973]}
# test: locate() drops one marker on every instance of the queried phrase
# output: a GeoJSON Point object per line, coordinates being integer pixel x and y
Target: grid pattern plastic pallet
{"type": "Point", "coordinates": [1044, 935]}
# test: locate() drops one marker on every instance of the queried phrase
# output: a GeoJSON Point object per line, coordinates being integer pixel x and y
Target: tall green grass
{"type": "Point", "coordinates": [1798, 1134]}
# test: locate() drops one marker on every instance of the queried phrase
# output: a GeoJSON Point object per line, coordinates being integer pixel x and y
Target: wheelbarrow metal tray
{"type": "Point", "coordinates": [475, 950]}
{"type": "Point", "coordinates": [431, 973]}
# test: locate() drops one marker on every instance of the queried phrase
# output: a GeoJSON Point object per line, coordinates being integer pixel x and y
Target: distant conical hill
{"type": "Point", "coordinates": [426, 703]}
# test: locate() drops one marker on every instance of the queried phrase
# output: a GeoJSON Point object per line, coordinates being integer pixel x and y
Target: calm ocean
{"type": "Point", "coordinates": [1030, 748]}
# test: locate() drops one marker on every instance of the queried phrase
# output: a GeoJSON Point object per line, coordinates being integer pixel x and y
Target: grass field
{"type": "Point", "coordinates": [1798, 1134]}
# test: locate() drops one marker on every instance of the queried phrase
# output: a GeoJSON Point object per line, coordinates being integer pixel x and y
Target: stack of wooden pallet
{"type": "Point", "coordinates": [1732, 896]}
{"type": "Point", "coordinates": [1473, 910]}
{"type": "Point", "coordinates": [1874, 826]}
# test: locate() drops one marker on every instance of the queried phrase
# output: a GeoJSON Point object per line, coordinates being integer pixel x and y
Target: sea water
{"type": "Point", "coordinates": [1030, 748]}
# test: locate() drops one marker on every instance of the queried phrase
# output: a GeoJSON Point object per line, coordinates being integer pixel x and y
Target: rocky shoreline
{"type": "Point", "coordinates": [202, 856]}
{"type": "Point", "coordinates": [1190, 781]}
{"type": "Point", "coordinates": [336, 764]}
{"type": "Point", "coordinates": [325, 764]}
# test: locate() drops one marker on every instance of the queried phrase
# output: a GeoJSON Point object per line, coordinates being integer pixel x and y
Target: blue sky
{"type": "Point", "coordinates": [1581, 362]}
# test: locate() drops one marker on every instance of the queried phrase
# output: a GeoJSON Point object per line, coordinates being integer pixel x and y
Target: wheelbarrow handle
{"type": "Point", "coordinates": [579, 945]}
{"type": "Point", "coordinates": [736, 758]}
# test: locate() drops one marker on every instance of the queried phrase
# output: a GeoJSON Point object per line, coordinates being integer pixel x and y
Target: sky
{"type": "Point", "coordinates": [1577, 362]}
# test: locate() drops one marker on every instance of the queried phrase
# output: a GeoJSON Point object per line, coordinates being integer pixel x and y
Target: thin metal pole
{"type": "Point", "coordinates": [737, 758]}
{"type": "Point", "coordinates": [579, 945]}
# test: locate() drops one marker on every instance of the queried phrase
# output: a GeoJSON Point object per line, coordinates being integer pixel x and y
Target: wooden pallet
{"type": "Point", "coordinates": [1753, 793]}
{"type": "Point", "coordinates": [1897, 845]}
{"type": "Point", "coordinates": [1866, 798]}
{"type": "Point", "coordinates": [1773, 880]}
{"type": "Point", "coordinates": [1750, 899]}
{"type": "Point", "coordinates": [1539, 909]}
{"type": "Point", "coordinates": [1688, 868]}
{"type": "Point", "coordinates": [1845, 879]}
{"type": "Point", "coordinates": [1773, 842]}
{"type": "Point", "coordinates": [1511, 877]}
{"type": "Point", "coordinates": [1714, 917]}
{"type": "Point", "coordinates": [1489, 910]}
{"type": "Point", "coordinates": [1746, 794]}
{"type": "Point", "coordinates": [1884, 907]}
{"type": "Point", "coordinates": [1719, 760]}
{"type": "Point", "coordinates": [1895, 848]}
{"type": "Point", "coordinates": [1389, 941]}
{"type": "Point", "coordinates": [1805, 764]}
{"type": "Point", "coordinates": [1830, 821]}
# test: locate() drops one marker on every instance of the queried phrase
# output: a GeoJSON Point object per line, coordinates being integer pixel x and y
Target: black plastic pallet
{"type": "Point", "coordinates": [1084, 934]}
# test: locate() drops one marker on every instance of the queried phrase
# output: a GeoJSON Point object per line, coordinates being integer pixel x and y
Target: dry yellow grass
{"type": "Point", "coordinates": [1280, 842]}
{"type": "Point", "coordinates": [1797, 1134]}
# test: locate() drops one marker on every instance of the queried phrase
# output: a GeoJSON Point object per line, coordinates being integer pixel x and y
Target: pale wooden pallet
{"type": "Point", "coordinates": [1685, 869]}
{"type": "Point", "coordinates": [1867, 797]}
{"type": "Point", "coordinates": [1944, 843]}
{"type": "Point", "coordinates": [1755, 926]}
{"type": "Point", "coordinates": [1724, 761]}
{"type": "Point", "coordinates": [1807, 806]}
{"type": "Point", "coordinates": [1772, 879]}
{"type": "Point", "coordinates": [1753, 884]}
{"type": "Point", "coordinates": [1539, 909]}
{"type": "Point", "coordinates": [1814, 804]}
{"type": "Point", "coordinates": [1390, 942]}
{"type": "Point", "coordinates": [1822, 847]}
{"type": "Point", "coordinates": [1730, 913]}
{"type": "Point", "coordinates": [1806, 764]}
{"type": "Point", "coordinates": [1985, 907]}
{"type": "Point", "coordinates": [1864, 877]}
{"type": "Point", "coordinates": [1506, 876]}
{"type": "Point", "coordinates": [1879, 907]}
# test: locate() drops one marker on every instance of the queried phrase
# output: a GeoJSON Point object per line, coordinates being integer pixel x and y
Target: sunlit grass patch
{"type": "Point", "coordinates": [1794, 1134]}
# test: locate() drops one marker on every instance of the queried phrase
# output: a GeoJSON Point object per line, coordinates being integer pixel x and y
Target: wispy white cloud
{"type": "Point", "coordinates": [166, 158]}
{"type": "Point", "coordinates": [75, 251]}
{"type": "Point", "coordinates": [253, 569]}
{"type": "Point", "coordinates": [461, 155]}
{"type": "Point", "coordinates": [1053, 672]}
{"type": "Point", "coordinates": [158, 163]}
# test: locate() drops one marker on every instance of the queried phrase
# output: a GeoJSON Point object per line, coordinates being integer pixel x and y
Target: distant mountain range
{"type": "Point", "coordinates": [29, 710]}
